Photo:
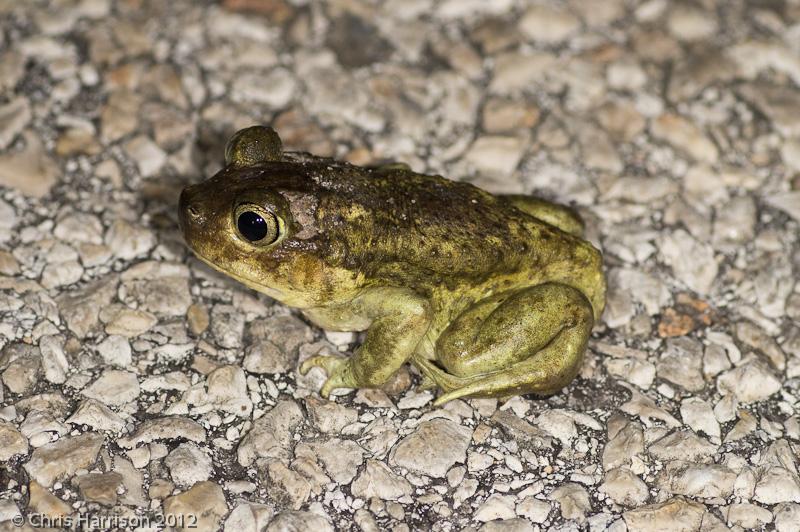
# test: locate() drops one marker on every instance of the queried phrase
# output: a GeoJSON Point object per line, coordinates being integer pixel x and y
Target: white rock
{"type": "Point", "coordinates": [329, 416]}
{"type": "Point", "coordinates": [415, 399]}
{"type": "Point", "coordinates": [642, 189]}
{"type": "Point", "coordinates": [61, 459]}
{"type": "Point", "coordinates": [174, 380]}
{"type": "Point", "coordinates": [58, 274]}
{"type": "Point", "coordinates": [558, 424]}
{"type": "Point", "coordinates": [378, 480]}
{"type": "Point", "coordinates": [696, 480]}
{"type": "Point", "coordinates": [271, 434]}
{"type": "Point", "coordinates": [227, 325]}
{"type": "Point", "coordinates": [227, 391]}
{"type": "Point", "coordinates": [459, 9]}
{"type": "Point", "coordinates": [548, 24]}
{"type": "Point", "coordinates": [294, 520]}
{"type": "Point", "coordinates": [789, 202]}
{"type": "Point", "coordinates": [433, 448]}
{"type": "Point", "coordinates": [147, 155]}
{"type": "Point", "coordinates": [128, 241]}
{"type": "Point", "coordinates": [790, 153]}
{"type": "Point", "coordinates": [31, 171]}
{"type": "Point", "coordinates": [681, 363]}
{"type": "Point", "coordinates": [8, 219]}
{"type": "Point", "coordinates": [682, 445]}
{"type": "Point", "coordinates": [747, 424]}
{"type": "Point", "coordinates": [12, 442]}
{"type": "Point", "coordinates": [96, 415]}
{"type": "Point", "coordinates": [341, 458]}
{"type": "Point", "coordinates": [79, 227]}
{"type": "Point", "coordinates": [692, 262]}
{"type": "Point", "coordinates": [516, 71]}
{"type": "Point", "coordinates": [534, 509]}
{"type": "Point", "coordinates": [780, 103]}
{"type": "Point", "coordinates": [689, 23]}
{"type": "Point", "coordinates": [755, 337]}
{"type": "Point", "coordinates": [735, 222]}
{"type": "Point", "coordinates": [749, 516]}
{"type": "Point", "coordinates": [626, 75]}
{"type": "Point", "coordinates": [14, 116]}
{"type": "Point", "coordinates": [645, 408]}
{"type": "Point", "coordinates": [478, 461]}
{"type": "Point", "coordinates": [54, 361]}
{"type": "Point", "coordinates": [685, 136]}
{"type": "Point", "coordinates": [715, 360]}
{"type": "Point", "coordinates": [777, 484]}
{"type": "Point", "coordinates": [497, 506]}
{"type": "Point", "coordinates": [758, 55]}
{"type": "Point", "coordinates": [164, 428]}
{"type": "Point", "coordinates": [114, 388]}
{"type": "Point", "coordinates": [38, 422]}
{"type": "Point", "coordinates": [247, 517]}
{"type": "Point", "coordinates": [205, 500]}
{"type": "Point", "coordinates": [638, 372]}
{"type": "Point", "coordinates": [625, 445]}
{"type": "Point", "coordinates": [9, 511]}
{"type": "Point", "coordinates": [674, 514]}
{"type": "Point", "coordinates": [129, 322]}
{"type": "Point", "coordinates": [159, 287]}
{"type": "Point", "coordinates": [725, 341]}
{"type": "Point", "coordinates": [115, 350]}
{"type": "Point", "coordinates": [749, 382]}
{"type": "Point", "coordinates": [787, 517]}
{"type": "Point", "coordinates": [507, 525]}
{"type": "Point", "coordinates": [131, 480]}
{"type": "Point", "coordinates": [80, 308]}
{"type": "Point", "coordinates": [495, 155]}
{"type": "Point", "coordinates": [188, 464]}
{"type": "Point", "coordinates": [625, 488]}
{"type": "Point", "coordinates": [573, 500]}
{"type": "Point", "coordinates": [699, 416]}
{"type": "Point", "coordinates": [275, 89]}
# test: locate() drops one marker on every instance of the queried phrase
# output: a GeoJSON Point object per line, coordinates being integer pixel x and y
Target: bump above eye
{"type": "Point", "coordinates": [253, 145]}
{"type": "Point", "coordinates": [256, 225]}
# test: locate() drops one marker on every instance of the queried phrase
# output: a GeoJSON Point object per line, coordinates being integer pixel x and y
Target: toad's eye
{"type": "Point", "coordinates": [257, 225]}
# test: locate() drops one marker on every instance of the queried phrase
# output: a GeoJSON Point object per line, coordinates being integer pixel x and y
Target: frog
{"type": "Point", "coordinates": [486, 295]}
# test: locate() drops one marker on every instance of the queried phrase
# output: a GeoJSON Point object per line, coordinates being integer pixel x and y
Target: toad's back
{"type": "Point", "coordinates": [425, 231]}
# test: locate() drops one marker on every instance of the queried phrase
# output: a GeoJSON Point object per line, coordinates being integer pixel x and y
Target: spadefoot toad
{"type": "Point", "coordinates": [487, 295]}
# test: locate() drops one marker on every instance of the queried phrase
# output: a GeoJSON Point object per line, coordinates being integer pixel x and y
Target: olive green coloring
{"type": "Point", "coordinates": [487, 295]}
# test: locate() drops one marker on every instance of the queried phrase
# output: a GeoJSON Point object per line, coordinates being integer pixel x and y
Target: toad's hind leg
{"type": "Point", "coordinates": [531, 341]}
{"type": "Point", "coordinates": [560, 216]}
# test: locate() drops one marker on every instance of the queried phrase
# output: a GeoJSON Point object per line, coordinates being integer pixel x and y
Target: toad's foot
{"type": "Point", "coordinates": [435, 377]}
{"type": "Point", "coordinates": [338, 369]}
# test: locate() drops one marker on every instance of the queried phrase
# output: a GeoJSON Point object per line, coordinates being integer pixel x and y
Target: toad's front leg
{"type": "Point", "coordinates": [398, 319]}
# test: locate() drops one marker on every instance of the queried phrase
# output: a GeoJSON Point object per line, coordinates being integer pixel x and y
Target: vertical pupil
{"type": "Point", "coordinates": [252, 226]}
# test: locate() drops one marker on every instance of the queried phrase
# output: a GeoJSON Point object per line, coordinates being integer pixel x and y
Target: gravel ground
{"type": "Point", "coordinates": [137, 383]}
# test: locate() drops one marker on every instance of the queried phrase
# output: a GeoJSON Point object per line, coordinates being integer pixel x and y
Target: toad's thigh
{"type": "Point", "coordinates": [507, 328]}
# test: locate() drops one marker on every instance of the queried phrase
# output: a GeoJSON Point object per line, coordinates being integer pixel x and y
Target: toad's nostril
{"type": "Point", "coordinates": [185, 203]}
{"type": "Point", "coordinates": [190, 212]}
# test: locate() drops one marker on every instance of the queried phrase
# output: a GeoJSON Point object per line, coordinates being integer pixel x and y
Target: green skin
{"type": "Point", "coordinates": [488, 296]}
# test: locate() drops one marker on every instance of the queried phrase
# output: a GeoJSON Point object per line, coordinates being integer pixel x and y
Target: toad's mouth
{"type": "Point", "coordinates": [249, 283]}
